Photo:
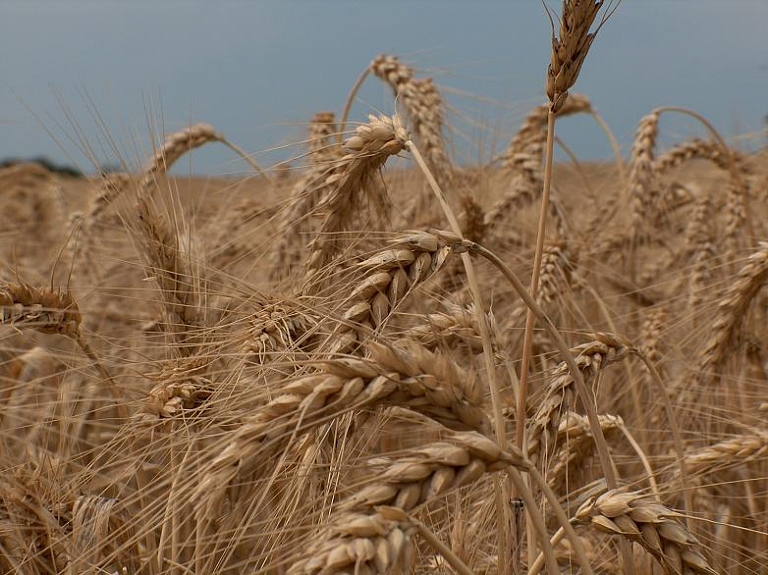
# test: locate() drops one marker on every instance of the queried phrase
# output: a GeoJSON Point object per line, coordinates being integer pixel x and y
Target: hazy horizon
{"type": "Point", "coordinates": [113, 74]}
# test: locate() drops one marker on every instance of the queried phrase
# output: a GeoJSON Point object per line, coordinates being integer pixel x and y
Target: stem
{"type": "Point", "coordinates": [535, 515]}
{"type": "Point", "coordinates": [538, 522]}
{"type": "Point", "coordinates": [453, 560]}
{"type": "Point", "coordinates": [585, 396]}
{"type": "Point", "coordinates": [522, 398]}
{"type": "Point", "coordinates": [528, 337]}
{"type": "Point", "coordinates": [537, 565]}
{"type": "Point", "coordinates": [348, 104]}
{"type": "Point", "coordinates": [490, 367]}
{"type": "Point", "coordinates": [248, 160]}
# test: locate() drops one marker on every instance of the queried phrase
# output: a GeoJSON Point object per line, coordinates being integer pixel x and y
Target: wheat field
{"type": "Point", "coordinates": [318, 368]}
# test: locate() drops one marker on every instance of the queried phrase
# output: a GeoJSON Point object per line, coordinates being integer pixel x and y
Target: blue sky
{"type": "Point", "coordinates": [111, 73]}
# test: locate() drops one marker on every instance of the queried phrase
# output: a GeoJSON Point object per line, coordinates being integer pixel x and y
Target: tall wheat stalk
{"type": "Point", "coordinates": [568, 54]}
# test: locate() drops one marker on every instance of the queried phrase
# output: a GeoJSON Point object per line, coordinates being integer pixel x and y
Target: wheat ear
{"type": "Point", "coordinates": [647, 522]}
{"type": "Point", "coordinates": [590, 358]}
{"type": "Point", "coordinates": [323, 148]}
{"type": "Point", "coordinates": [699, 149]}
{"type": "Point", "coordinates": [172, 266]}
{"type": "Point", "coordinates": [424, 107]}
{"type": "Point", "coordinates": [731, 311]}
{"type": "Point", "coordinates": [413, 378]}
{"type": "Point", "coordinates": [351, 182]}
{"type": "Point", "coordinates": [360, 536]}
{"type": "Point", "coordinates": [531, 138]}
{"type": "Point", "coordinates": [738, 450]}
{"type": "Point", "coordinates": [387, 277]}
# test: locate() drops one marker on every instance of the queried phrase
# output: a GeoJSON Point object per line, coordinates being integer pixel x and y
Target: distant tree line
{"type": "Point", "coordinates": [47, 163]}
